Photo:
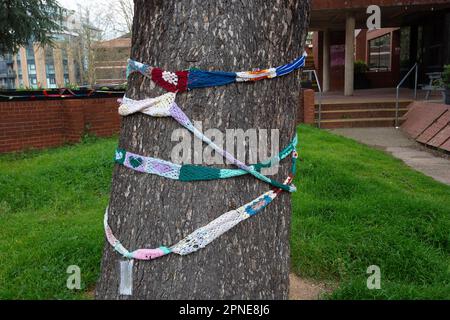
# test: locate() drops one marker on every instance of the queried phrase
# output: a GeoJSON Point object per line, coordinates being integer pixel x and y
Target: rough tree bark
{"type": "Point", "coordinates": [252, 260]}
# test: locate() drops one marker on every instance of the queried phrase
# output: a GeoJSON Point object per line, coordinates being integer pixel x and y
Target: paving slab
{"type": "Point", "coordinates": [397, 143]}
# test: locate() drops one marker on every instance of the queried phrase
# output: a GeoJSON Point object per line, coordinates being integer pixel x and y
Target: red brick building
{"type": "Point", "coordinates": [412, 31]}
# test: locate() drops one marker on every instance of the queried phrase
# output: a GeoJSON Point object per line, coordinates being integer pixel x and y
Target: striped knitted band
{"type": "Point", "coordinates": [186, 80]}
{"type": "Point", "coordinates": [165, 106]}
{"type": "Point", "coordinates": [202, 236]}
{"type": "Point", "coordinates": [189, 172]}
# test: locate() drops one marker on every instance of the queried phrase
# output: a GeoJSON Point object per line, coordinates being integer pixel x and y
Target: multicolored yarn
{"type": "Point", "coordinates": [189, 172]}
{"type": "Point", "coordinates": [155, 107]}
{"type": "Point", "coordinates": [171, 81]}
{"type": "Point", "coordinates": [180, 81]}
{"type": "Point", "coordinates": [162, 108]}
{"type": "Point", "coordinates": [165, 106]}
{"type": "Point", "coordinates": [140, 163]}
{"type": "Point", "coordinates": [202, 236]}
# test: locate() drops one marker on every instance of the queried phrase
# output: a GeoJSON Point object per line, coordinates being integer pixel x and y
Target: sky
{"type": "Point", "coordinates": [73, 4]}
{"type": "Point", "coordinates": [96, 9]}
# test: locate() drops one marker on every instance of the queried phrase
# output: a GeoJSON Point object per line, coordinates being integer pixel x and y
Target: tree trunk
{"type": "Point", "coordinates": [251, 261]}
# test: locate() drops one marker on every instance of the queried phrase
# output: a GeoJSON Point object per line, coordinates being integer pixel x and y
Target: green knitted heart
{"type": "Point", "coordinates": [135, 162]}
{"type": "Point", "coordinates": [120, 156]}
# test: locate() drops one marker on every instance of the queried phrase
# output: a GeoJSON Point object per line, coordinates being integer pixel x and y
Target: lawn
{"type": "Point", "coordinates": [356, 207]}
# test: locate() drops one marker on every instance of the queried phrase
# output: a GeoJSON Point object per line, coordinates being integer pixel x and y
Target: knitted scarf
{"type": "Point", "coordinates": [165, 106]}
{"type": "Point", "coordinates": [180, 81]}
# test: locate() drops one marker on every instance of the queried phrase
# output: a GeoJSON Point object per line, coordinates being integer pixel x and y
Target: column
{"type": "Point", "coordinates": [24, 64]}
{"type": "Point", "coordinates": [70, 61]}
{"type": "Point", "coordinates": [326, 61]}
{"type": "Point", "coordinates": [59, 70]}
{"type": "Point", "coordinates": [39, 60]}
{"type": "Point", "coordinates": [349, 54]}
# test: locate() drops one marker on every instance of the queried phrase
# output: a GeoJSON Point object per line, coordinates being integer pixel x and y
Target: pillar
{"type": "Point", "coordinates": [24, 65]}
{"type": "Point", "coordinates": [71, 65]}
{"type": "Point", "coordinates": [326, 61]}
{"type": "Point", "coordinates": [39, 60]}
{"type": "Point", "coordinates": [58, 63]}
{"type": "Point", "coordinates": [349, 54]}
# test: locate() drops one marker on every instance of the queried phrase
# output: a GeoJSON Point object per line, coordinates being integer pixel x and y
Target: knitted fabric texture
{"type": "Point", "coordinates": [164, 106]}
{"type": "Point", "coordinates": [171, 81]}
{"type": "Point", "coordinates": [202, 236]}
{"type": "Point", "coordinates": [189, 172]}
{"type": "Point", "coordinates": [150, 165]}
{"type": "Point", "coordinates": [155, 107]}
{"type": "Point", "coordinates": [148, 107]}
{"type": "Point", "coordinates": [179, 81]}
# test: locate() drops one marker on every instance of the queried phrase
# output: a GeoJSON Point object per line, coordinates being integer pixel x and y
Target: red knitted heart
{"type": "Point", "coordinates": [171, 81]}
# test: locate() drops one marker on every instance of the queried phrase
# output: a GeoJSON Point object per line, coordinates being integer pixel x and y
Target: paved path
{"type": "Point", "coordinates": [400, 146]}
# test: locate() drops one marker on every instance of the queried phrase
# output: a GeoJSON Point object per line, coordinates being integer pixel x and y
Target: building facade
{"type": "Point", "coordinates": [416, 31]}
{"type": "Point", "coordinates": [111, 61]}
{"type": "Point", "coordinates": [44, 67]}
{"type": "Point", "coordinates": [7, 72]}
{"type": "Point", "coordinates": [60, 65]}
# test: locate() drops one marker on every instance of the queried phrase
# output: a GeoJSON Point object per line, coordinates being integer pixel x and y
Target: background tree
{"type": "Point", "coordinates": [25, 20]}
{"type": "Point", "coordinates": [252, 260]}
{"type": "Point", "coordinates": [124, 9]}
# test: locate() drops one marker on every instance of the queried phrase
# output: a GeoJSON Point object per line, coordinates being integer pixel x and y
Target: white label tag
{"type": "Point", "coordinates": [126, 278]}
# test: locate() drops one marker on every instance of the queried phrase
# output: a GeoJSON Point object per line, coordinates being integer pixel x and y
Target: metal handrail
{"type": "Point", "coordinates": [320, 93]}
{"type": "Point", "coordinates": [416, 67]}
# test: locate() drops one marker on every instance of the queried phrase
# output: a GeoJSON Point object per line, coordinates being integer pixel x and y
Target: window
{"type": "Point", "coordinates": [50, 68]}
{"type": "Point", "coordinates": [51, 82]}
{"type": "Point", "coordinates": [29, 52]}
{"type": "Point", "coordinates": [380, 53]}
{"type": "Point", "coordinates": [33, 82]}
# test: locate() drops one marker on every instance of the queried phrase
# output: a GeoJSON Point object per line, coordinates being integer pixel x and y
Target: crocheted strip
{"type": "Point", "coordinates": [155, 107]}
{"type": "Point", "coordinates": [148, 107]}
{"type": "Point", "coordinates": [292, 66]}
{"type": "Point", "coordinates": [134, 66]}
{"type": "Point", "coordinates": [256, 75]}
{"type": "Point", "coordinates": [150, 165]}
{"type": "Point", "coordinates": [202, 79]}
{"type": "Point", "coordinates": [195, 173]}
{"type": "Point", "coordinates": [181, 117]}
{"type": "Point", "coordinates": [189, 172]}
{"type": "Point", "coordinates": [171, 81]}
{"type": "Point", "coordinates": [202, 236]}
{"type": "Point", "coordinates": [206, 234]}
{"type": "Point", "coordinates": [179, 81]}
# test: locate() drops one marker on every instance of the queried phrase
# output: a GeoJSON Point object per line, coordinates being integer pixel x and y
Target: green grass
{"type": "Point", "coordinates": [356, 207]}
{"type": "Point", "coordinates": [51, 217]}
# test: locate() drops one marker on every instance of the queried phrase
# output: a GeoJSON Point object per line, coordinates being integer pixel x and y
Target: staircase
{"type": "Point", "coordinates": [360, 113]}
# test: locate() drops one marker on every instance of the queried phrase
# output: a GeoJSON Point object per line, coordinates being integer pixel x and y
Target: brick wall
{"type": "Point", "coordinates": [306, 108]}
{"type": "Point", "coordinates": [51, 123]}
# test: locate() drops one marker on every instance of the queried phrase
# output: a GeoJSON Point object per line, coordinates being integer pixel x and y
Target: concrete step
{"type": "Point", "coordinates": [360, 113]}
{"type": "Point", "coordinates": [362, 105]}
{"type": "Point", "coordinates": [359, 123]}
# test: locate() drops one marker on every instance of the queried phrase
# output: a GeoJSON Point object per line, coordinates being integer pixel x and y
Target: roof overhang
{"type": "Point", "coordinates": [331, 14]}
